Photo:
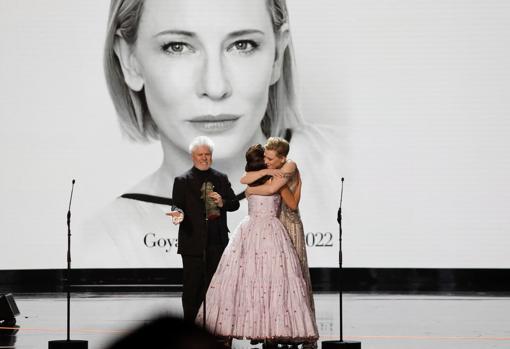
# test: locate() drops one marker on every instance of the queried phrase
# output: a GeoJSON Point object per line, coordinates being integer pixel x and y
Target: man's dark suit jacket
{"type": "Point", "coordinates": [186, 196]}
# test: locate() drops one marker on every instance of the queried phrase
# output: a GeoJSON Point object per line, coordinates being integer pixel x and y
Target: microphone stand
{"type": "Point", "coordinates": [341, 343]}
{"type": "Point", "coordinates": [68, 343]}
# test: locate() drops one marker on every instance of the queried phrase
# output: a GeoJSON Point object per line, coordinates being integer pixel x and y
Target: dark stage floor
{"type": "Point", "coordinates": [379, 321]}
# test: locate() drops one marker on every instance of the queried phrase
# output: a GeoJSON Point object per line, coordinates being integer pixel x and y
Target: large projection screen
{"type": "Point", "coordinates": [409, 101]}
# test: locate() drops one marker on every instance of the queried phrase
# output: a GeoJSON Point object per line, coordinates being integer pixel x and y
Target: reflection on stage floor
{"type": "Point", "coordinates": [378, 321]}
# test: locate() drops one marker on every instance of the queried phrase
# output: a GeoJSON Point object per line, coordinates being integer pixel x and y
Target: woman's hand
{"type": "Point", "coordinates": [277, 173]}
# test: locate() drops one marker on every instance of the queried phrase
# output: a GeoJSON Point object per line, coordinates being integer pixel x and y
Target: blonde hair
{"type": "Point", "coordinates": [279, 145]}
{"type": "Point", "coordinates": [131, 106]}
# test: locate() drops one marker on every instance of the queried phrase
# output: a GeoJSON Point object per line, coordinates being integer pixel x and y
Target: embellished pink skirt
{"type": "Point", "coordinates": [258, 290]}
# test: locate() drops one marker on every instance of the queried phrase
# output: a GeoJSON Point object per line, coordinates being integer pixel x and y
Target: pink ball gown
{"type": "Point", "coordinates": [258, 291]}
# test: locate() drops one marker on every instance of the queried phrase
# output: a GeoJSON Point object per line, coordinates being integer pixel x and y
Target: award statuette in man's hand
{"type": "Point", "coordinates": [212, 200]}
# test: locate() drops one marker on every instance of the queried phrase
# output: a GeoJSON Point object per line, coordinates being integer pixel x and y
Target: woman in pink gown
{"type": "Point", "coordinates": [258, 291]}
{"type": "Point", "coordinates": [276, 150]}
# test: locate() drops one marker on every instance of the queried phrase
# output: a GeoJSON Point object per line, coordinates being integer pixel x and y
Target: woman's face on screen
{"type": "Point", "coordinates": [206, 67]}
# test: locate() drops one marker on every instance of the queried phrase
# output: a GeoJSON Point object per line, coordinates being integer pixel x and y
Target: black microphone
{"type": "Point", "coordinates": [70, 199]}
{"type": "Point", "coordinates": [339, 215]}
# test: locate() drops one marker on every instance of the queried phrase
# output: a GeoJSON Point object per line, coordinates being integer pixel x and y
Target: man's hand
{"type": "Point", "coordinates": [177, 216]}
{"type": "Point", "coordinates": [218, 200]}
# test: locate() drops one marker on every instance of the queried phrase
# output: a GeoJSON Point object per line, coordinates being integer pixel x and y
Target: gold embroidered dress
{"type": "Point", "coordinates": [291, 220]}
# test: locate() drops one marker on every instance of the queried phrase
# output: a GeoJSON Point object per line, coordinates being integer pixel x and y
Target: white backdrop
{"type": "Point", "coordinates": [419, 89]}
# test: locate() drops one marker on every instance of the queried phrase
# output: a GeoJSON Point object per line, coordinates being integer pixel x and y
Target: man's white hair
{"type": "Point", "coordinates": [200, 141]}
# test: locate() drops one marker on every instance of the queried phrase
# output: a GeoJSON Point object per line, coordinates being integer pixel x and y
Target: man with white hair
{"type": "Point", "coordinates": [201, 197]}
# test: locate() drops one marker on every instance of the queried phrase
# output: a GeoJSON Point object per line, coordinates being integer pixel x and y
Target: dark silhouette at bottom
{"type": "Point", "coordinates": [168, 332]}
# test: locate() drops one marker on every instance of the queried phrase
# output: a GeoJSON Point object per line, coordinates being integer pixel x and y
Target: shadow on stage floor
{"type": "Point", "coordinates": [379, 321]}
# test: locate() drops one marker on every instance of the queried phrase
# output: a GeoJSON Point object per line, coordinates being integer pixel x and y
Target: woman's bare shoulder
{"type": "Point", "coordinates": [290, 166]}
